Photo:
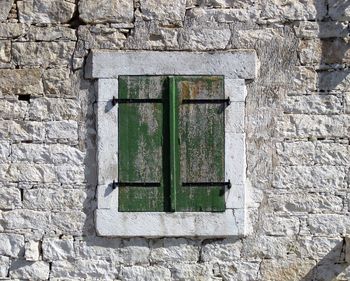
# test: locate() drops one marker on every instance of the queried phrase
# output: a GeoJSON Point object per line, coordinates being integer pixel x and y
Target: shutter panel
{"type": "Point", "coordinates": [140, 140]}
{"type": "Point", "coordinates": [202, 143]}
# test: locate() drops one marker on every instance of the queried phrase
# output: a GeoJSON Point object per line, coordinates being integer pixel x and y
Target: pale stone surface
{"type": "Point", "coordinates": [84, 269]}
{"type": "Point", "coordinates": [26, 131]}
{"type": "Point", "coordinates": [57, 83]}
{"type": "Point", "coordinates": [12, 30]}
{"type": "Point", "coordinates": [331, 29]}
{"type": "Point", "coordinates": [295, 153]}
{"type": "Point", "coordinates": [68, 222]}
{"type": "Point", "coordinates": [11, 244]}
{"type": "Point", "coordinates": [332, 153]}
{"type": "Point", "coordinates": [45, 11]}
{"type": "Point", "coordinates": [4, 151]}
{"type": "Point", "coordinates": [284, 269]}
{"type": "Point", "coordinates": [57, 249]}
{"type": "Point", "coordinates": [155, 273]}
{"type": "Point", "coordinates": [326, 177]}
{"type": "Point", "coordinates": [106, 11]}
{"type": "Point", "coordinates": [313, 104]}
{"type": "Point", "coordinates": [44, 54]}
{"type": "Point", "coordinates": [168, 12]}
{"type": "Point", "coordinates": [4, 266]}
{"type": "Point", "coordinates": [242, 271]}
{"type": "Point", "coordinates": [32, 251]}
{"type": "Point", "coordinates": [5, 51]}
{"type": "Point", "coordinates": [281, 225]}
{"type": "Point", "coordinates": [5, 7]}
{"type": "Point", "coordinates": [26, 219]}
{"type": "Point", "coordinates": [45, 199]}
{"type": "Point", "coordinates": [54, 33]}
{"type": "Point", "coordinates": [174, 250]}
{"type": "Point", "coordinates": [66, 130]}
{"type": "Point", "coordinates": [328, 225]}
{"type": "Point", "coordinates": [191, 272]}
{"type": "Point", "coordinates": [10, 197]}
{"type": "Point", "coordinates": [226, 251]}
{"type": "Point", "coordinates": [21, 82]}
{"type": "Point", "coordinates": [21, 269]}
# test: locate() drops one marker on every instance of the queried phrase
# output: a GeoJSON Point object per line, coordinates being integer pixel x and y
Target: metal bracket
{"type": "Point", "coordinates": [115, 101]}
{"type": "Point", "coordinates": [227, 101]}
{"type": "Point", "coordinates": [227, 184]}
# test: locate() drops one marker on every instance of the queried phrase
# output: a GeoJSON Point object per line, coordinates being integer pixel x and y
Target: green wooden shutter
{"type": "Point", "coordinates": [141, 174]}
{"type": "Point", "coordinates": [170, 143]}
{"type": "Point", "coordinates": [202, 143]}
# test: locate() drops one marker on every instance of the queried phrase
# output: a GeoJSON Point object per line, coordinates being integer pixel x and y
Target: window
{"type": "Point", "coordinates": [213, 131]}
{"type": "Point", "coordinates": [171, 144]}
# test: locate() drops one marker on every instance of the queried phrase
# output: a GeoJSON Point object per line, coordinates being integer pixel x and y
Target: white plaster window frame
{"type": "Point", "coordinates": [106, 66]}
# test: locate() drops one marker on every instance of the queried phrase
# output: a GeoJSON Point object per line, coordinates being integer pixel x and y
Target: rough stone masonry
{"type": "Point", "coordinates": [298, 152]}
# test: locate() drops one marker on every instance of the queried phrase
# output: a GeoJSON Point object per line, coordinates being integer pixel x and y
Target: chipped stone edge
{"type": "Point", "coordinates": [110, 222]}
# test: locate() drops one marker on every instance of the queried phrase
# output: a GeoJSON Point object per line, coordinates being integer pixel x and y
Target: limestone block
{"type": "Point", "coordinates": [51, 33]}
{"type": "Point", "coordinates": [310, 52]}
{"type": "Point", "coordinates": [98, 37]}
{"type": "Point", "coordinates": [28, 152]}
{"type": "Point", "coordinates": [10, 197]}
{"type": "Point", "coordinates": [5, 7]}
{"type": "Point", "coordinates": [43, 109]}
{"type": "Point", "coordinates": [238, 270]}
{"type": "Point", "coordinates": [339, 10]}
{"type": "Point", "coordinates": [347, 249]}
{"type": "Point", "coordinates": [328, 224]}
{"type": "Point", "coordinates": [21, 82]}
{"type": "Point", "coordinates": [250, 14]}
{"type": "Point", "coordinates": [66, 130]}
{"type": "Point", "coordinates": [313, 104]}
{"type": "Point", "coordinates": [45, 11]}
{"type": "Point", "coordinates": [295, 153]}
{"type": "Point", "coordinates": [14, 109]}
{"type": "Point", "coordinates": [167, 12]}
{"type": "Point", "coordinates": [191, 272]}
{"type": "Point", "coordinates": [227, 250]}
{"type": "Point", "coordinates": [26, 131]}
{"type": "Point", "coordinates": [12, 30]}
{"type": "Point", "coordinates": [204, 38]}
{"type": "Point", "coordinates": [4, 151]}
{"type": "Point", "coordinates": [4, 266]}
{"type": "Point", "coordinates": [174, 250]}
{"type": "Point", "coordinates": [148, 35]}
{"type": "Point", "coordinates": [84, 269]}
{"type": "Point", "coordinates": [94, 248]}
{"type": "Point", "coordinates": [5, 51]}
{"type": "Point", "coordinates": [32, 251]}
{"type": "Point", "coordinates": [49, 199]}
{"type": "Point", "coordinates": [57, 249]}
{"type": "Point", "coordinates": [145, 273]}
{"type": "Point", "coordinates": [57, 82]}
{"type": "Point", "coordinates": [331, 29]}
{"type": "Point", "coordinates": [313, 126]}
{"type": "Point", "coordinates": [64, 154]}
{"type": "Point", "coordinates": [38, 270]}
{"type": "Point", "coordinates": [68, 223]}
{"type": "Point", "coordinates": [321, 248]}
{"type": "Point", "coordinates": [280, 225]}
{"type": "Point", "coordinates": [283, 10]}
{"type": "Point", "coordinates": [11, 244]}
{"type": "Point", "coordinates": [326, 177]}
{"type": "Point", "coordinates": [286, 269]}
{"type": "Point", "coordinates": [269, 247]}
{"type": "Point", "coordinates": [31, 172]}
{"type": "Point", "coordinates": [134, 251]}
{"type": "Point", "coordinates": [70, 174]}
{"type": "Point", "coordinates": [103, 11]}
{"type": "Point", "coordinates": [347, 102]}
{"type": "Point", "coordinates": [307, 202]}
{"type": "Point", "coordinates": [44, 54]}
{"type": "Point", "coordinates": [332, 154]}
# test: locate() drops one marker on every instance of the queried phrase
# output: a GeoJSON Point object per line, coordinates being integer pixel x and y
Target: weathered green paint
{"type": "Point", "coordinates": [201, 129]}
{"type": "Point", "coordinates": [174, 142]}
{"type": "Point", "coordinates": [150, 149]}
{"type": "Point", "coordinates": [140, 143]}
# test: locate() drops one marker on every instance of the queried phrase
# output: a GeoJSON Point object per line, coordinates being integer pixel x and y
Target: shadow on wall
{"type": "Point", "coordinates": [334, 32]}
{"type": "Point", "coordinates": [330, 266]}
{"type": "Point", "coordinates": [332, 76]}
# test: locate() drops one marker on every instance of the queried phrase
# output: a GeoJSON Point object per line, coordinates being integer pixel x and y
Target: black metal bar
{"type": "Point", "coordinates": [115, 101]}
{"type": "Point", "coordinates": [206, 101]}
{"type": "Point", "coordinates": [227, 184]}
{"type": "Point", "coordinates": [136, 184]}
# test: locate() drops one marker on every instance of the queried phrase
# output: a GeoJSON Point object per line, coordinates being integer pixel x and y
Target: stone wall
{"type": "Point", "coordinates": [298, 138]}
